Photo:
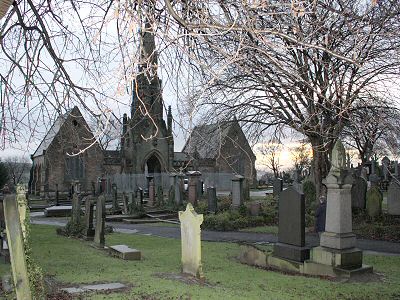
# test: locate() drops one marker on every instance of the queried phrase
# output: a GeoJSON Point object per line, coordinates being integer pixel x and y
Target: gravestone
{"type": "Point", "coordinates": [291, 234]}
{"type": "Point", "coordinates": [22, 206]}
{"type": "Point", "coordinates": [125, 203]}
{"type": "Point", "coordinates": [393, 198]}
{"type": "Point", "coordinates": [358, 193]}
{"type": "Point", "coordinates": [160, 196]}
{"type": "Point", "coordinates": [193, 186]}
{"type": "Point", "coordinates": [139, 196]}
{"type": "Point", "coordinates": [374, 202]}
{"type": "Point", "coordinates": [16, 248]}
{"type": "Point", "coordinates": [337, 253]}
{"type": "Point", "coordinates": [89, 230]}
{"type": "Point", "coordinates": [296, 181]}
{"type": "Point", "coordinates": [191, 242]}
{"type": "Point", "coordinates": [179, 189]}
{"type": "Point", "coordinates": [237, 191]}
{"type": "Point", "coordinates": [364, 174]}
{"type": "Point", "coordinates": [99, 238]}
{"type": "Point", "coordinates": [76, 209]}
{"type": "Point", "coordinates": [115, 205]}
{"type": "Point", "coordinates": [385, 168]}
{"type": "Point", "coordinates": [373, 178]}
{"type": "Point", "coordinates": [277, 187]}
{"type": "Point", "coordinates": [152, 193]}
{"type": "Point", "coordinates": [212, 199]}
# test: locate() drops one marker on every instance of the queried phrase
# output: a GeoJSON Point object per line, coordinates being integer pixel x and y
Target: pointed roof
{"type": "Point", "coordinates": [54, 130]}
{"type": "Point", "coordinates": [206, 140]}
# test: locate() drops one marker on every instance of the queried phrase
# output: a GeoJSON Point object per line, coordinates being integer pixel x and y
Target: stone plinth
{"type": "Point", "coordinates": [237, 191]}
{"type": "Point", "coordinates": [191, 242]}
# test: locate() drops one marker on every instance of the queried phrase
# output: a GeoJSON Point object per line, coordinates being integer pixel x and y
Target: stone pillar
{"type": "Point", "coordinates": [212, 199]}
{"type": "Point", "coordinates": [237, 191]}
{"type": "Point", "coordinates": [337, 252]}
{"type": "Point", "coordinates": [373, 178]}
{"type": "Point", "coordinates": [179, 189]}
{"type": "Point", "coordinates": [152, 193]}
{"type": "Point", "coordinates": [160, 196]}
{"type": "Point", "coordinates": [125, 203]}
{"type": "Point", "coordinates": [76, 209]}
{"type": "Point", "coordinates": [277, 187]}
{"type": "Point", "coordinates": [89, 230]}
{"type": "Point", "coordinates": [115, 205]}
{"type": "Point", "coordinates": [193, 186]}
{"type": "Point", "coordinates": [99, 238]}
{"type": "Point", "coordinates": [191, 242]}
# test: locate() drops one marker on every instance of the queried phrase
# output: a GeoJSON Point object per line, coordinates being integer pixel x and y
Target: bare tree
{"type": "Point", "coordinates": [17, 167]}
{"type": "Point", "coordinates": [302, 64]}
{"type": "Point", "coordinates": [302, 158]}
{"type": "Point", "coordinates": [270, 152]}
{"type": "Point", "coordinates": [373, 128]}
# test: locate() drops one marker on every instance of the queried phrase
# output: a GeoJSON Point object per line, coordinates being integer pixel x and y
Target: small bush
{"type": "Point", "coordinates": [202, 207]}
{"type": "Point", "coordinates": [310, 192]}
{"type": "Point", "coordinates": [230, 221]}
{"type": "Point", "coordinates": [224, 203]}
{"type": "Point", "coordinates": [74, 229]}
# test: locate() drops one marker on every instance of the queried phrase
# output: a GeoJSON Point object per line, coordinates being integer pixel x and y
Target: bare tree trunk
{"type": "Point", "coordinates": [320, 163]}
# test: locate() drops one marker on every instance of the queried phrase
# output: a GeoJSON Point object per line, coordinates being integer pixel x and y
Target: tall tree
{"type": "Point", "coordinates": [300, 64]}
{"type": "Point", "coordinates": [270, 152]}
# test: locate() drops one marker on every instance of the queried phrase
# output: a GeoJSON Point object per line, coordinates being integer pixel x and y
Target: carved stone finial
{"type": "Point", "coordinates": [338, 157]}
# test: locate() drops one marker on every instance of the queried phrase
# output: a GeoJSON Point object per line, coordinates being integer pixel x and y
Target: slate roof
{"type": "Point", "coordinates": [206, 140]}
{"type": "Point", "coordinates": [50, 135]}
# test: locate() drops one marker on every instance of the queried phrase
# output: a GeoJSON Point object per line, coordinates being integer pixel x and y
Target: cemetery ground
{"type": "Point", "coordinates": [70, 262]}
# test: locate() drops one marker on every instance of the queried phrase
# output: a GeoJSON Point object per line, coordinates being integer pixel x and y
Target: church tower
{"type": "Point", "coordinates": [147, 143]}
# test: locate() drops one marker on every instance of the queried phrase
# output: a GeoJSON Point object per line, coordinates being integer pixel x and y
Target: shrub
{"type": "Point", "coordinates": [230, 221]}
{"type": "Point", "coordinates": [202, 207]}
{"type": "Point", "coordinates": [309, 193]}
{"type": "Point", "coordinates": [224, 203]}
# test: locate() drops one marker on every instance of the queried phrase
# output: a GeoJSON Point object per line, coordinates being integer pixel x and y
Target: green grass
{"type": "Point", "coordinates": [74, 261]}
{"type": "Point", "coordinates": [262, 229]}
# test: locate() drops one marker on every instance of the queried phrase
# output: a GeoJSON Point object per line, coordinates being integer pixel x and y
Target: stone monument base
{"type": "Point", "coordinates": [338, 240]}
{"type": "Point", "coordinates": [336, 263]}
{"type": "Point", "coordinates": [291, 252]}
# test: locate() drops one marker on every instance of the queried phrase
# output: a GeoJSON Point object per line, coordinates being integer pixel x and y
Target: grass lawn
{"type": "Point", "coordinates": [74, 261]}
{"type": "Point", "coordinates": [261, 229]}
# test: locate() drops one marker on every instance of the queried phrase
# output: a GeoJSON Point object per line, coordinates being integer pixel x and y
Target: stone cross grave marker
{"type": "Point", "coordinates": [89, 230]}
{"type": "Point", "coordinates": [212, 199]}
{"type": "Point", "coordinates": [237, 191]}
{"type": "Point", "coordinates": [100, 222]}
{"type": "Point", "coordinates": [16, 248]}
{"type": "Point", "coordinates": [291, 234]}
{"type": "Point", "coordinates": [191, 242]}
{"type": "Point", "coordinates": [359, 193]}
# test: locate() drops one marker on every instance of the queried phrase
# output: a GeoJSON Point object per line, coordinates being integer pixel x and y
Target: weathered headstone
{"type": "Point", "coordinates": [99, 238]}
{"type": "Point", "coordinates": [374, 202]}
{"type": "Point", "coordinates": [125, 203]}
{"type": "Point", "coordinates": [152, 193]}
{"type": "Point", "coordinates": [179, 189]}
{"type": "Point", "coordinates": [16, 248]}
{"type": "Point", "coordinates": [393, 198]}
{"type": "Point", "coordinates": [277, 187]}
{"type": "Point", "coordinates": [22, 206]}
{"type": "Point", "coordinates": [363, 174]}
{"type": "Point", "coordinates": [358, 193]}
{"type": "Point", "coordinates": [89, 230]}
{"type": "Point", "coordinates": [237, 191]}
{"type": "Point", "coordinates": [212, 199]}
{"type": "Point", "coordinates": [385, 168]}
{"type": "Point", "coordinates": [124, 252]}
{"type": "Point", "coordinates": [291, 234]}
{"type": "Point", "coordinates": [191, 242]}
{"type": "Point", "coordinates": [373, 177]}
{"type": "Point", "coordinates": [193, 186]}
{"type": "Point", "coordinates": [76, 209]}
{"type": "Point", "coordinates": [115, 204]}
{"type": "Point", "coordinates": [160, 196]}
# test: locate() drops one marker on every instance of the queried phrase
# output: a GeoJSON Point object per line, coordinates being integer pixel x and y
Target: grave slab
{"type": "Point", "coordinates": [124, 252]}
